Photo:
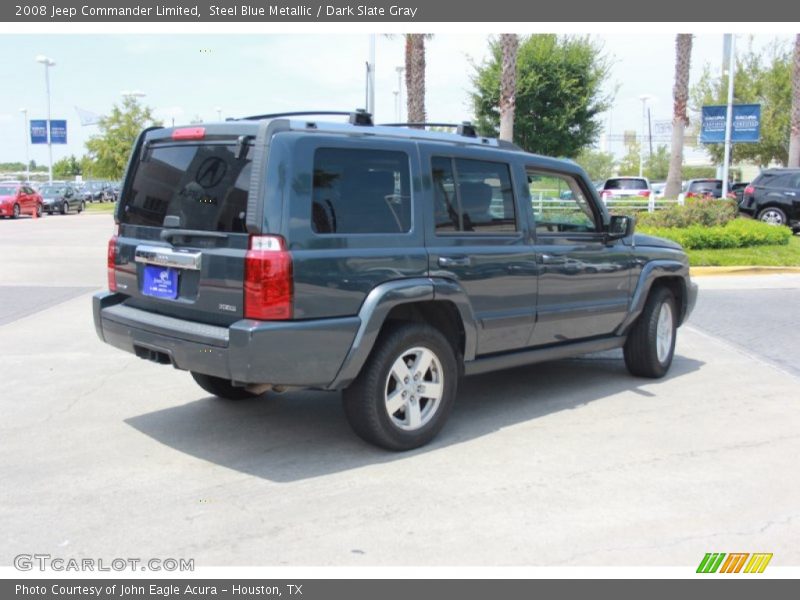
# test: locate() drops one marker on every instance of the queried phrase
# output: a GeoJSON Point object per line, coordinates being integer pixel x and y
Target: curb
{"type": "Point", "coordinates": [743, 270]}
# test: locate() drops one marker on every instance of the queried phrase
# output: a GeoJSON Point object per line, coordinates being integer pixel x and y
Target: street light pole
{"type": "Point", "coordinates": [729, 119]}
{"type": "Point", "coordinates": [644, 98]}
{"type": "Point", "coordinates": [48, 62]}
{"type": "Point", "coordinates": [24, 112]}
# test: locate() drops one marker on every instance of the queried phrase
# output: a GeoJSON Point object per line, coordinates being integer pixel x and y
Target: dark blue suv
{"type": "Point", "coordinates": [280, 252]}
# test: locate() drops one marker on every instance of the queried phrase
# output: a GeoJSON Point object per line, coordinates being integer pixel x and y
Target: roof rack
{"type": "Point", "coordinates": [357, 117]}
{"type": "Point", "coordinates": [464, 128]}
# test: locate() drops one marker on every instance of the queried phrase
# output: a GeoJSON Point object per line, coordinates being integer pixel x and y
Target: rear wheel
{"type": "Point", "coordinates": [221, 387]}
{"type": "Point", "coordinates": [651, 342]}
{"type": "Point", "coordinates": [406, 389]}
{"type": "Point", "coordinates": [772, 215]}
{"type": "Point", "coordinates": [15, 211]}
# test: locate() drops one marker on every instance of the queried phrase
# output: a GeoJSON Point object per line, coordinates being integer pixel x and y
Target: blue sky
{"type": "Point", "coordinates": [188, 76]}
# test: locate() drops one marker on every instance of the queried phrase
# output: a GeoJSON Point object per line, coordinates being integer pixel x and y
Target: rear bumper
{"type": "Point", "coordinates": [291, 353]}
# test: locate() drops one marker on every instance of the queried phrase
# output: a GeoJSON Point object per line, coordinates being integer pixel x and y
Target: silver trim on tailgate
{"type": "Point", "coordinates": [166, 257]}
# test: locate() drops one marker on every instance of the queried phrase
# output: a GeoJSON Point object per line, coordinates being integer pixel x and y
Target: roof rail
{"type": "Point", "coordinates": [357, 117]}
{"type": "Point", "coordinates": [464, 128]}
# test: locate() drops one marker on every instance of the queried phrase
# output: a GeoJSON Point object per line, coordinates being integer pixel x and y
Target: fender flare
{"type": "Point", "coordinates": [651, 272]}
{"type": "Point", "coordinates": [382, 299]}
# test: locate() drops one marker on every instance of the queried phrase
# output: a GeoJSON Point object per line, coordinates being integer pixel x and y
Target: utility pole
{"type": "Point", "coordinates": [729, 119]}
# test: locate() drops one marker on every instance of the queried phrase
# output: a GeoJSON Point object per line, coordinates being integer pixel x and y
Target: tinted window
{"type": "Point", "coordinates": [626, 184]}
{"type": "Point", "coordinates": [472, 196]}
{"type": "Point", "coordinates": [709, 186]}
{"type": "Point", "coordinates": [361, 191]}
{"type": "Point", "coordinates": [559, 204]}
{"type": "Point", "coordinates": [204, 185]}
{"type": "Point", "coordinates": [783, 180]}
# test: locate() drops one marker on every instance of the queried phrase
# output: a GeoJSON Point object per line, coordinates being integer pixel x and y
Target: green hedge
{"type": "Point", "coordinates": [695, 212]}
{"type": "Point", "coordinates": [740, 233]}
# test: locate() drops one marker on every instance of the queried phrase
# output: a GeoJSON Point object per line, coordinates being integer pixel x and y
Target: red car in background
{"type": "Point", "coordinates": [19, 199]}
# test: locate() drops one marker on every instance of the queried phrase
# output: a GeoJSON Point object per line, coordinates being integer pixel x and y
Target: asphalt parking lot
{"type": "Point", "coordinates": [568, 463]}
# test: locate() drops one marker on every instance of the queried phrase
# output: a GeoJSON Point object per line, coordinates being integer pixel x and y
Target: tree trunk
{"type": "Point", "coordinates": [508, 85]}
{"type": "Point", "coordinates": [794, 134]}
{"type": "Point", "coordinates": [680, 94]}
{"type": "Point", "coordinates": [415, 77]}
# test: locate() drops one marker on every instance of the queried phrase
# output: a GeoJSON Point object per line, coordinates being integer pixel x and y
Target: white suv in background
{"type": "Point", "coordinates": [623, 187]}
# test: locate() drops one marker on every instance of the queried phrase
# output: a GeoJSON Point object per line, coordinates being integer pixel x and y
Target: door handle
{"type": "Point", "coordinates": [792, 194]}
{"type": "Point", "coordinates": [454, 261]}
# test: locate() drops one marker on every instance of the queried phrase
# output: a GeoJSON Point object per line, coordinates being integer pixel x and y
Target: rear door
{"type": "Point", "coordinates": [182, 239]}
{"type": "Point", "coordinates": [477, 235]}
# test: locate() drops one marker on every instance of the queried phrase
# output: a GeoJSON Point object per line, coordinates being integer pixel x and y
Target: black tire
{"type": "Point", "coordinates": [39, 210]}
{"type": "Point", "coordinates": [81, 207]}
{"type": "Point", "coordinates": [365, 401]}
{"type": "Point", "coordinates": [64, 207]}
{"type": "Point", "coordinates": [772, 215]}
{"type": "Point", "coordinates": [50, 213]}
{"type": "Point", "coordinates": [221, 388]}
{"type": "Point", "coordinates": [15, 212]}
{"type": "Point", "coordinates": [642, 356]}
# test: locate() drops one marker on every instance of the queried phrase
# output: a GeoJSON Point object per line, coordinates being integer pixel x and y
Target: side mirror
{"type": "Point", "coordinates": [620, 226]}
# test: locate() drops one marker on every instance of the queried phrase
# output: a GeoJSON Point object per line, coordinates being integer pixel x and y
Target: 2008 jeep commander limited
{"type": "Point", "coordinates": [279, 252]}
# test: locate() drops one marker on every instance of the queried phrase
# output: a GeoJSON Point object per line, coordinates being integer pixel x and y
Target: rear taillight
{"type": "Point", "coordinates": [111, 262]}
{"type": "Point", "coordinates": [750, 189]}
{"type": "Point", "coordinates": [268, 286]}
{"type": "Point", "coordinates": [690, 195]}
{"type": "Point", "coordinates": [646, 193]}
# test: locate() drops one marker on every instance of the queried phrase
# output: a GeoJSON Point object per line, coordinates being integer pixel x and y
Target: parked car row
{"type": "Point", "coordinates": [18, 199]}
{"type": "Point", "coordinates": [89, 191]}
{"type": "Point", "coordinates": [772, 197]}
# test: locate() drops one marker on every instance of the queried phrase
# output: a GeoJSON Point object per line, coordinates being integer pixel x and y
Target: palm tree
{"type": "Point", "coordinates": [508, 85]}
{"type": "Point", "coordinates": [415, 76]}
{"type": "Point", "coordinates": [794, 135]}
{"type": "Point", "coordinates": [680, 94]}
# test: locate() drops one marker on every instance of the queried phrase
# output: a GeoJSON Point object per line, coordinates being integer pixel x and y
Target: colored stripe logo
{"type": "Point", "coordinates": [734, 562]}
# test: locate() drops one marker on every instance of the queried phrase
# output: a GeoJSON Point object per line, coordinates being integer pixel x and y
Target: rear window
{"type": "Point", "coordinates": [712, 185]}
{"type": "Point", "coordinates": [7, 190]}
{"type": "Point", "coordinates": [626, 184]}
{"type": "Point", "coordinates": [205, 185]}
{"type": "Point", "coordinates": [360, 191]}
{"type": "Point", "coordinates": [778, 180]}
{"type": "Point", "coordinates": [482, 202]}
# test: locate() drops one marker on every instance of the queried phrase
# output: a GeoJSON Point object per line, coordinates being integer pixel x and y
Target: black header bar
{"type": "Point", "coordinates": [407, 11]}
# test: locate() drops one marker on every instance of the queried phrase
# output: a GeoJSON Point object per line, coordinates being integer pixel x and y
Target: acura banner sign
{"type": "Point", "coordinates": [746, 126]}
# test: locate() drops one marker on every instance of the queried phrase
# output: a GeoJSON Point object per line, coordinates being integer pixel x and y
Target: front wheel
{"type": "Point", "coordinates": [15, 212]}
{"type": "Point", "coordinates": [650, 345]}
{"type": "Point", "coordinates": [81, 207]}
{"type": "Point", "coordinates": [65, 207]}
{"type": "Point", "coordinates": [406, 389]}
{"type": "Point", "coordinates": [221, 388]}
